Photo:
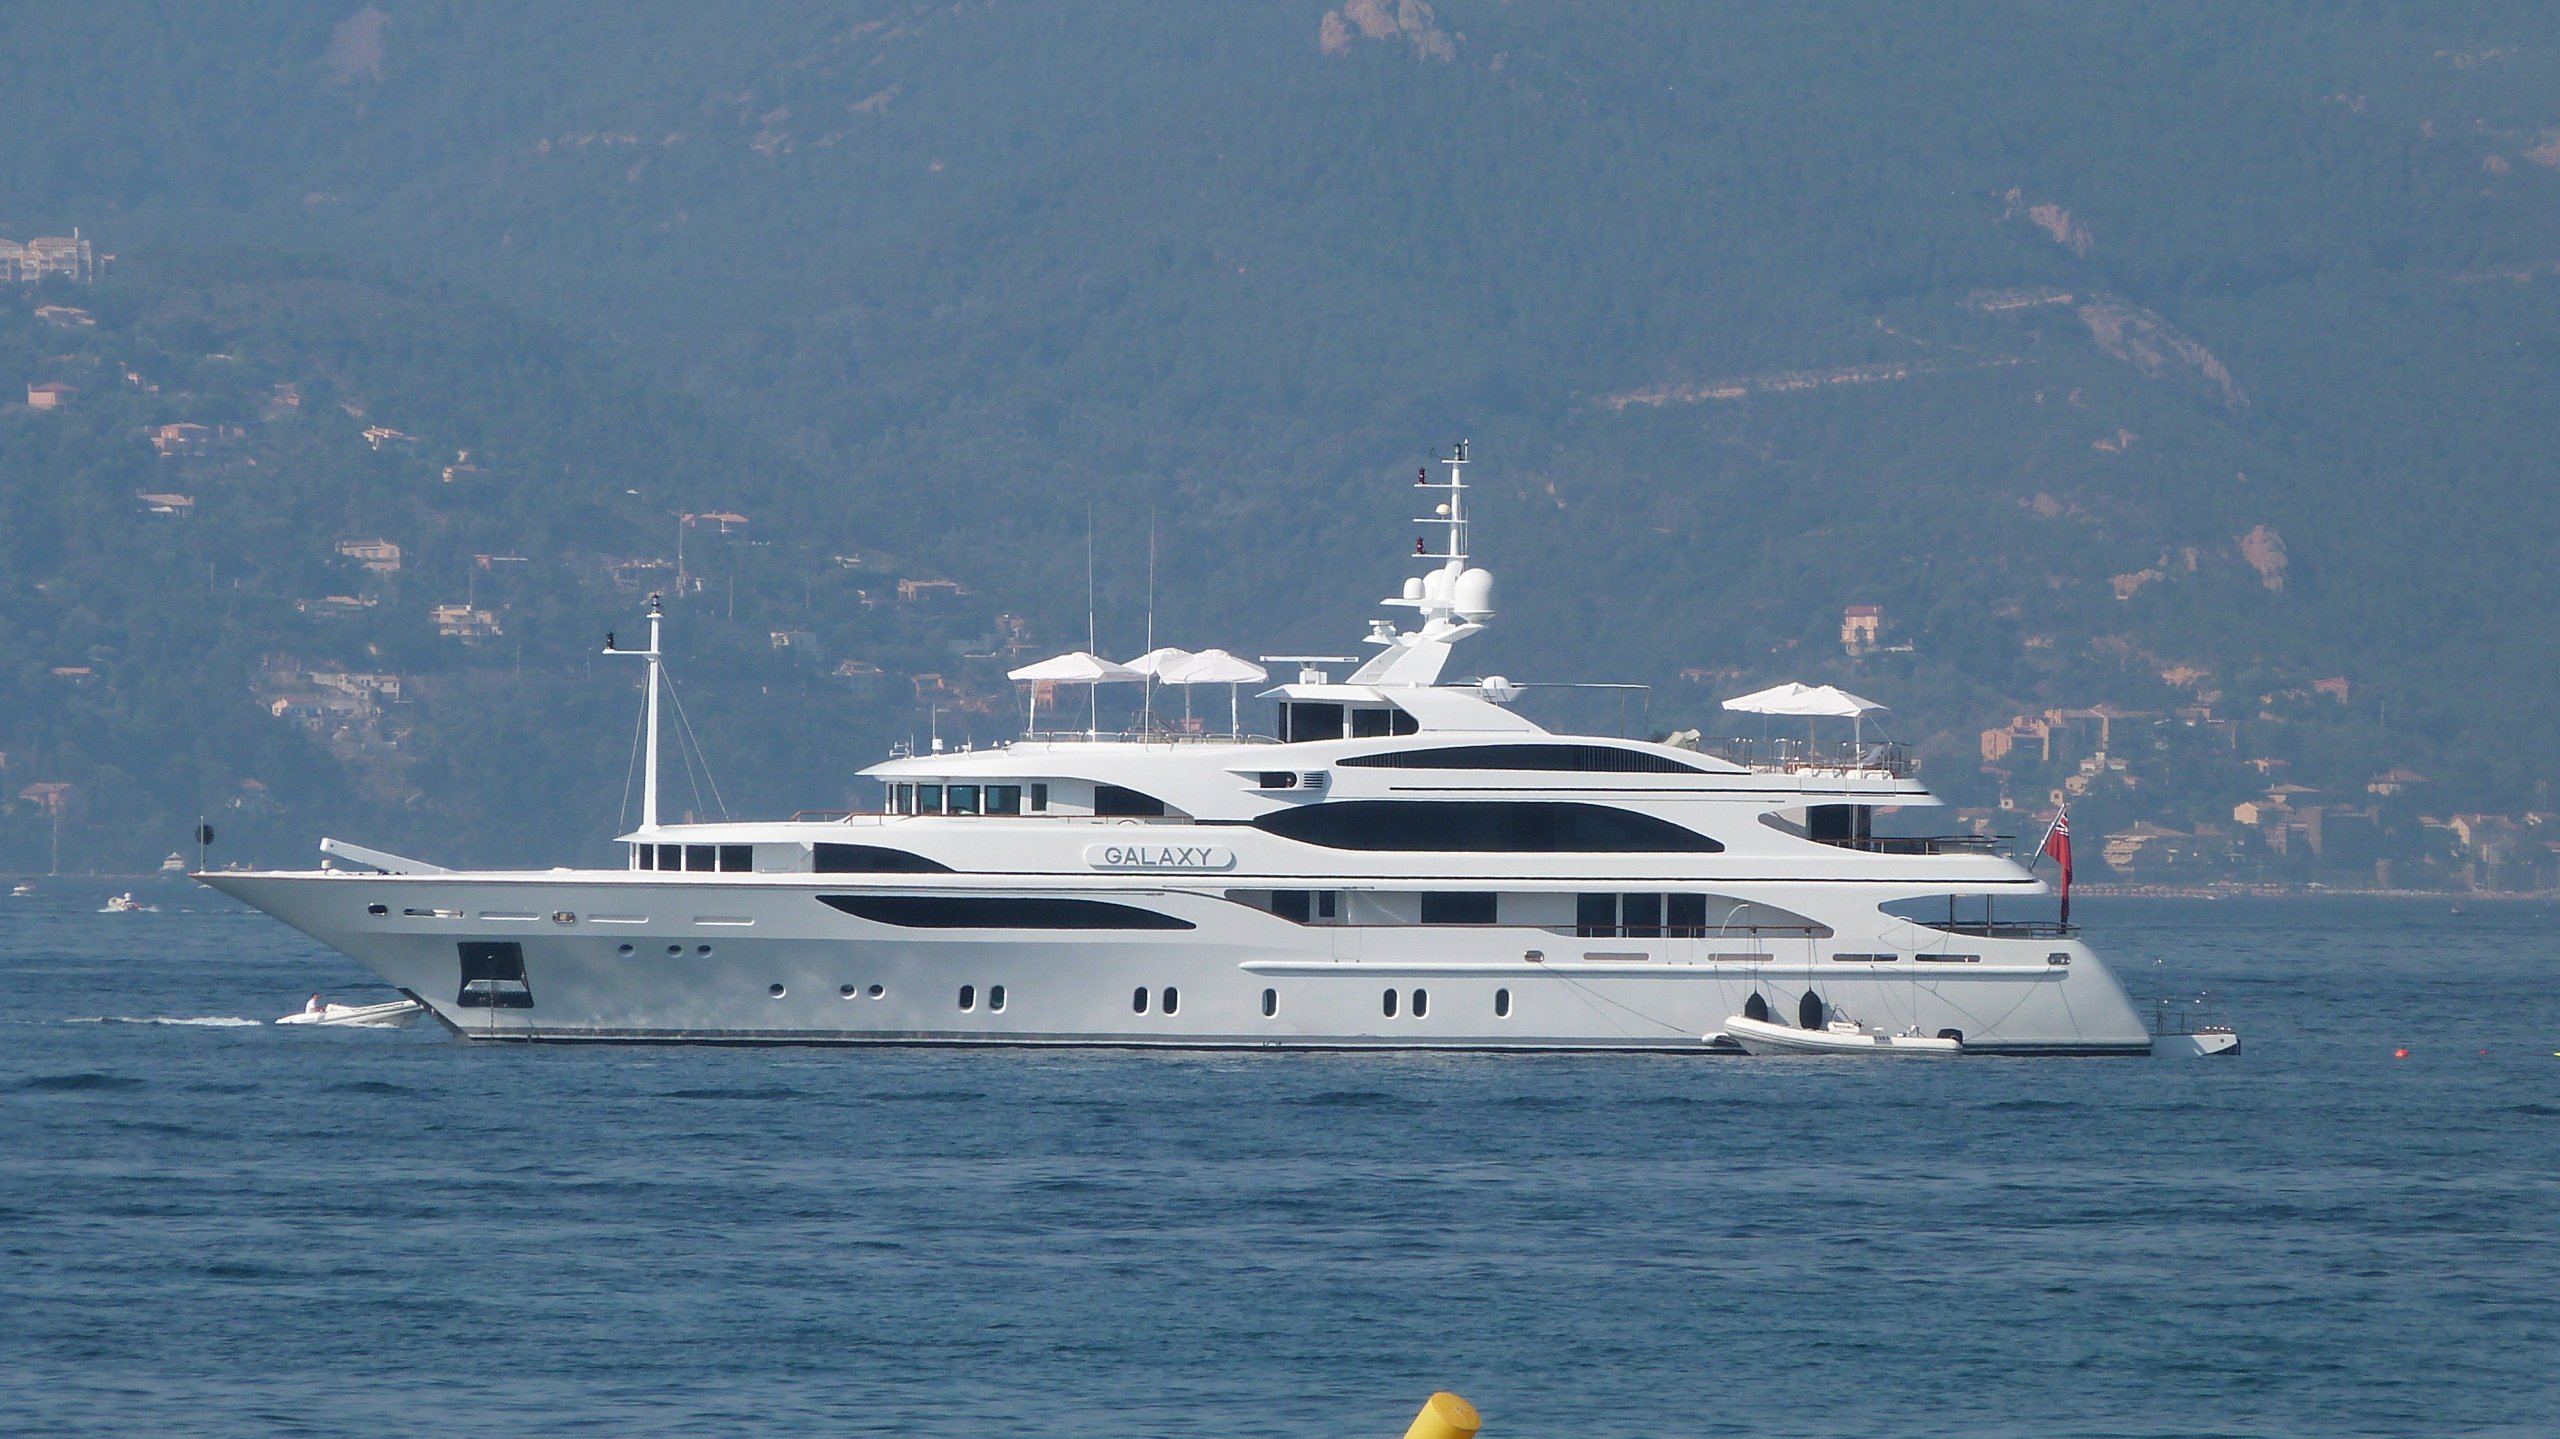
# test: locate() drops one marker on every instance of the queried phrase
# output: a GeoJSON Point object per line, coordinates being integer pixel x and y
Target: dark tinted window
{"type": "Point", "coordinates": [644, 856]}
{"type": "Point", "coordinates": [1564, 758]}
{"type": "Point", "coordinates": [1685, 915]}
{"type": "Point", "coordinates": [873, 859]}
{"type": "Point", "coordinates": [1270, 1003]}
{"type": "Point", "coordinates": [1172, 999]}
{"type": "Point", "coordinates": [1421, 1003]}
{"type": "Point", "coordinates": [1297, 904]}
{"type": "Point", "coordinates": [963, 798]}
{"type": "Point", "coordinates": [699, 856]}
{"type": "Point", "coordinates": [1310, 720]}
{"type": "Point", "coordinates": [1114, 800]}
{"type": "Point", "coordinates": [958, 911]}
{"type": "Point", "coordinates": [1595, 916]}
{"type": "Point", "coordinates": [1502, 1004]}
{"type": "Point", "coordinates": [1004, 799]}
{"type": "Point", "coordinates": [1483, 826]}
{"type": "Point", "coordinates": [1369, 723]}
{"type": "Point", "coordinates": [928, 799]}
{"type": "Point", "coordinates": [968, 996]}
{"type": "Point", "coordinates": [737, 857]}
{"type": "Point", "coordinates": [995, 996]}
{"type": "Point", "coordinates": [1456, 908]}
{"type": "Point", "coordinates": [1039, 798]}
{"type": "Point", "coordinates": [1642, 914]}
{"type": "Point", "coordinates": [1387, 1005]}
{"type": "Point", "coordinates": [1138, 1000]}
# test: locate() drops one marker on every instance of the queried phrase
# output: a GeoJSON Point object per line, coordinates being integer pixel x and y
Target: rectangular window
{"type": "Point", "coordinates": [928, 799]}
{"type": "Point", "coordinates": [644, 856]}
{"type": "Point", "coordinates": [738, 858]}
{"type": "Point", "coordinates": [700, 857]}
{"type": "Point", "coordinates": [1039, 799]}
{"type": "Point", "coordinates": [671, 856]}
{"type": "Point", "coordinates": [1595, 916]}
{"type": "Point", "coordinates": [962, 799]}
{"type": "Point", "coordinates": [1328, 904]}
{"type": "Point", "coordinates": [902, 799]}
{"type": "Point", "coordinates": [1643, 914]}
{"type": "Point", "coordinates": [1293, 904]}
{"type": "Point", "coordinates": [1369, 723]}
{"type": "Point", "coordinates": [1686, 915]}
{"type": "Point", "coordinates": [1307, 720]}
{"type": "Point", "coordinates": [1457, 908]}
{"type": "Point", "coordinates": [1004, 799]}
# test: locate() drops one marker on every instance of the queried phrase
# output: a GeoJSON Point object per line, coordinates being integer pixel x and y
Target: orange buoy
{"type": "Point", "coordinates": [2399, 1054]}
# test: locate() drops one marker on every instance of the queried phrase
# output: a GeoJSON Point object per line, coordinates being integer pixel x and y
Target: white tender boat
{"type": "Point", "coordinates": [1402, 862]}
{"type": "Point", "coordinates": [126, 904]}
{"type": "Point", "coordinates": [396, 1014]}
{"type": "Point", "coordinates": [1838, 1036]}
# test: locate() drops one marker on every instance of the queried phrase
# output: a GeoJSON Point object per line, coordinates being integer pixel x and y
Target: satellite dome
{"type": "Point", "coordinates": [1472, 596]}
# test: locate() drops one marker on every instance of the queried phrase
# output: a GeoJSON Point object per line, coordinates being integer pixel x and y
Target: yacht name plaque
{"type": "Point", "coordinates": [1159, 856]}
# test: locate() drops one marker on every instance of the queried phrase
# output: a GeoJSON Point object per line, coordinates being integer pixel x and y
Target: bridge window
{"type": "Point", "coordinates": [1303, 721]}
{"type": "Point", "coordinates": [928, 799]}
{"type": "Point", "coordinates": [1004, 799]}
{"type": "Point", "coordinates": [1483, 826]}
{"type": "Point", "coordinates": [961, 799]}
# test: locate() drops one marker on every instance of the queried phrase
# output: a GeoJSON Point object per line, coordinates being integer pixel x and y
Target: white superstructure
{"type": "Point", "coordinates": [1403, 864]}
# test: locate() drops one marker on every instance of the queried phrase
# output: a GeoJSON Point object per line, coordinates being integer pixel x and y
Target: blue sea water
{"type": "Point", "coordinates": [229, 1228]}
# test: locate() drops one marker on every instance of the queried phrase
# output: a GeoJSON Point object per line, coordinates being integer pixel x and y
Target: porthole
{"type": "Point", "coordinates": [878, 990]}
{"type": "Point", "coordinates": [1502, 1004]}
{"type": "Point", "coordinates": [562, 916]}
{"type": "Point", "coordinates": [622, 949]}
{"type": "Point", "coordinates": [702, 949]}
{"type": "Point", "coordinates": [674, 950]}
{"type": "Point", "coordinates": [968, 996]}
{"type": "Point", "coordinates": [844, 991]}
{"type": "Point", "coordinates": [1138, 1001]}
{"type": "Point", "coordinates": [777, 991]}
{"type": "Point", "coordinates": [1270, 1003]}
{"type": "Point", "coordinates": [377, 910]}
{"type": "Point", "coordinates": [1172, 999]}
{"type": "Point", "coordinates": [1421, 1003]}
{"type": "Point", "coordinates": [1389, 1004]}
{"type": "Point", "coordinates": [995, 996]}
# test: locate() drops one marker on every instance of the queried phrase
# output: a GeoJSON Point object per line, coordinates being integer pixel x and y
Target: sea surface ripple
{"type": "Point", "coordinates": [215, 1228]}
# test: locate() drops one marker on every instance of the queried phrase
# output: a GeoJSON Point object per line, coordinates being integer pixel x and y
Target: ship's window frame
{"type": "Point", "coordinates": [995, 998]}
{"type": "Point", "coordinates": [1460, 906]}
{"type": "Point", "coordinates": [737, 858]}
{"type": "Point", "coordinates": [1483, 826]}
{"type": "Point", "coordinates": [1004, 799]}
{"type": "Point", "coordinates": [1310, 721]}
{"type": "Point", "coordinates": [968, 998]}
{"type": "Point", "coordinates": [973, 911]}
{"type": "Point", "coordinates": [1039, 798]}
{"type": "Point", "coordinates": [1502, 1004]}
{"type": "Point", "coordinates": [701, 858]}
{"type": "Point", "coordinates": [1547, 757]}
{"type": "Point", "coordinates": [1118, 801]}
{"type": "Point", "coordinates": [1138, 1000]}
{"type": "Point", "coordinates": [928, 799]}
{"type": "Point", "coordinates": [960, 798]}
{"type": "Point", "coordinates": [1372, 722]}
{"type": "Point", "coordinates": [829, 857]}
{"type": "Point", "coordinates": [1295, 905]}
{"type": "Point", "coordinates": [1387, 1004]}
{"type": "Point", "coordinates": [1270, 1003]}
{"type": "Point", "coordinates": [1171, 1003]}
{"type": "Point", "coordinates": [1421, 1004]}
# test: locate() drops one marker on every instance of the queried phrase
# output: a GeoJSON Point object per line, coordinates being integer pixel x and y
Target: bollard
{"type": "Point", "coordinates": [1445, 1416]}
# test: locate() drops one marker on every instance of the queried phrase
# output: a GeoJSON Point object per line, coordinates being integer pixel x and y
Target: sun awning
{"type": "Point", "coordinates": [1077, 667]}
{"type": "Point", "coordinates": [1159, 664]}
{"type": "Point", "coordinates": [1214, 667]}
{"type": "Point", "coordinates": [1792, 698]}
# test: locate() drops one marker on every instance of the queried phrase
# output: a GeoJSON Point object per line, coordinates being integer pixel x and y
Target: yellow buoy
{"type": "Point", "coordinates": [1445, 1416]}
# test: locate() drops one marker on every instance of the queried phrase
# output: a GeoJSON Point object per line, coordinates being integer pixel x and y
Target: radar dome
{"type": "Point", "coordinates": [1472, 596]}
{"type": "Point", "coordinates": [1413, 587]}
{"type": "Point", "coordinates": [1498, 689]}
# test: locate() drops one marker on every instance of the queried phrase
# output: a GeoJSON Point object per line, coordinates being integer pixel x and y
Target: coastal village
{"type": "Point", "coordinates": [2176, 778]}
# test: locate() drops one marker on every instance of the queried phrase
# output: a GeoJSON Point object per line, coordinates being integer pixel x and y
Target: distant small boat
{"type": "Point", "coordinates": [21, 891]}
{"type": "Point", "coordinates": [1840, 1036]}
{"type": "Point", "coordinates": [395, 1015]}
{"type": "Point", "coordinates": [176, 863]}
{"type": "Point", "coordinates": [125, 903]}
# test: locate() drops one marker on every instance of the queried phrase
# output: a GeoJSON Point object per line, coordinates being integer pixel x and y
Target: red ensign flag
{"type": "Point", "coordinates": [2057, 842]}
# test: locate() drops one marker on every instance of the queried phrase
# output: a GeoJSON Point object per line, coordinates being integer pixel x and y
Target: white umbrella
{"type": "Point", "coordinates": [1154, 664]}
{"type": "Point", "coordinates": [1077, 667]}
{"type": "Point", "coordinates": [1217, 667]}
{"type": "Point", "coordinates": [1810, 701]}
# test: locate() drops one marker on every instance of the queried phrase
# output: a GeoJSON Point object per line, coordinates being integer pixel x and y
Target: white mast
{"type": "Point", "coordinates": [649, 762]}
{"type": "Point", "coordinates": [1453, 597]}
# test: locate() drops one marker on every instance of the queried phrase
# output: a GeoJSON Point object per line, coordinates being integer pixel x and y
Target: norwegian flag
{"type": "Point", "coordinates": [2057, 842]}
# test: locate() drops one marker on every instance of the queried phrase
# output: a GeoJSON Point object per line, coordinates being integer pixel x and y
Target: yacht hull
{"type": "Point", "coordinates": [610, 956]}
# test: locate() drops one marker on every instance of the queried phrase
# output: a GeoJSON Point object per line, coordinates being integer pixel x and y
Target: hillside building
{"type": "Point", "coordinates": [380, 556]}
{"type": "Point", "coordinates": [51, 395]}
{"type": "Point", "coordinates": [70, 256]}
{"type": "Point", "coordinates": [1861, 628]}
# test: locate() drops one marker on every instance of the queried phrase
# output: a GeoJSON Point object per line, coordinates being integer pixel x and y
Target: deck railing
{"type": "Point", "coordinates": [1794, 755]}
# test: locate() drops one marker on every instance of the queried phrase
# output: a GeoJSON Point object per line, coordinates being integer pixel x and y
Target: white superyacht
{"type": "Point", "coordinates": [1403, 864]}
